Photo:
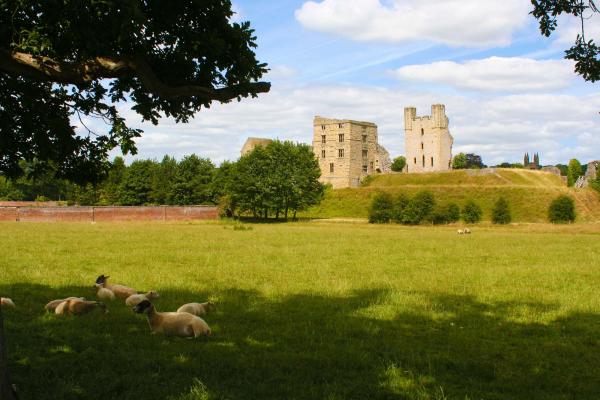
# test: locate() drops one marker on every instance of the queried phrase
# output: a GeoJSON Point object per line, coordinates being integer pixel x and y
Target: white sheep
{"type": "Point", "coordinates": [460, 232]}
{"type": "Point", "coordinates": [51, 306]}
{"type": "Point", "coordinates": [136, 299]}
{"type": "Point", "coordinates": [119, 291]}
{"type": "Point", "coordinates": [198, 309]}
{"type": "Point", "coordinates": [467, 231]}
{"type": "Point", "coordinates": [79, 307]}
{"type": "Point", "coordinates": [5, 302]}
{"type": "Point", "coordinates": [173, 323]}
{"type": "Point", "coordinates": [104, 293]}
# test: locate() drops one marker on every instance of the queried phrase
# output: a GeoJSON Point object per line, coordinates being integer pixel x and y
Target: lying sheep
{"type": "Point", "coordinates": [120, 291]}
{"type": "Point", "coordinates": [5, 302]}
{"type": "Point", "coordinates": [104, 293]}
{"type": "Point", "coordinates": [198, 309]}
{"type": "Point", "coordinates": [173, 323]}
{"type": "Point", "coordinates": [136, 299]}
{"type": "Point", "coordinates": [51, 306]}
{"type": "Point", "coordinates": [79, 307]}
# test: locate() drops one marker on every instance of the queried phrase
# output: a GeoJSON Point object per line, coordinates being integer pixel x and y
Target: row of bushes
{"type": "Point", "coordinates": [423, 208]}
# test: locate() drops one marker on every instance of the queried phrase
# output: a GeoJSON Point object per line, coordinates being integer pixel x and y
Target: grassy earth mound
{"type": "Point", "coordinates": [529, 193]}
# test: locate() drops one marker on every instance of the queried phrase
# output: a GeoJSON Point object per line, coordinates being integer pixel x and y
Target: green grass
{"type": "Point", "coordinates": [529, 193]}
{"type": "Point", "coordinates": [310, 311]}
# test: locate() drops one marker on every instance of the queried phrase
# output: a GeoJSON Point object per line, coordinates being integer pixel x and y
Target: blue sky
{"type": "Point", "coordinates": [507, 89]}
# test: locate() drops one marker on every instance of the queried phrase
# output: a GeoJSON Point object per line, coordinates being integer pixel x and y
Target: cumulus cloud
{"type": "Point", "coordinates": [507, 74]}
{"type": "Point", "coordinates": [569, 27]}
{"type": "Point", "coordinates": [470, 23]}
{"type": "Point", "coordinates": [500, 128]}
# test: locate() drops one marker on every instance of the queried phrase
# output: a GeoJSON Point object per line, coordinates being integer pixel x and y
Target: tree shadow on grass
{"type": "Point", "coordinates": [304, 346]}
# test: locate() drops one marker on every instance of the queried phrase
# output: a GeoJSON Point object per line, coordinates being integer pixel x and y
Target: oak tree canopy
{"type": "Point", "coordinates": [62, 60]}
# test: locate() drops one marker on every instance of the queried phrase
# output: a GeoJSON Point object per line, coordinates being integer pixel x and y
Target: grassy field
{"type": "Point", "coordinates": [529, 193]}
{"type": "Point", "coordinates": [310, 311]}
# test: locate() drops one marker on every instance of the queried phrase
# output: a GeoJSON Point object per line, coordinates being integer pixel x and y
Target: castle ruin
{"type": "Point", "coordinates": [348, 151]}
{"type": "Point", "coordinates": [428, 143]}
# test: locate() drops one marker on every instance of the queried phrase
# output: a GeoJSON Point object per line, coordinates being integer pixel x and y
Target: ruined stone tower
{"type": "Point", "coordinates": [347, 151]}
{"type": "Point", "coordinates": [428, 143]}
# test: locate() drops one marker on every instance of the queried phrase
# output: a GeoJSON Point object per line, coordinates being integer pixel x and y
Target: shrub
{"type": "Point", "coordinates": [439, 216]}
{"type": "Point", "coordinates": [399, 164]}
{"type": "Point", "coordinates": [445, 214]}
{"type": "Point", "coordinates": [400, 204]}
{"type": "Point", "coordinates": [562, 210]}
{"type": "Point", "coordinates": [226, 207]}
{"type": "Point", "coordinates": [453, 212]}
{"type": "Point", "coordinates": [380, 211]}
{"type": "Point", "coordinates": [418, 208]}
{"type": "Point", "coordinates": [501, 212]}
{"type": "Point", "coordinates": [411, 214]}
{"type": "Point", "coordinates": [471, 212]}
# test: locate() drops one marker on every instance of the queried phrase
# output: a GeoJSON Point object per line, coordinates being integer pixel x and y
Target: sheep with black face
{"type": "Point", "coordinates": [173, 323]}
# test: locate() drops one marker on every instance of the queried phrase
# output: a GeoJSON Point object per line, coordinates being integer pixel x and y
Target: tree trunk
{"type": "Point", "coordinates": [6, 389]}
{"type": "Point", "coordinates": [277, 214]}
{"type": "Point", "coordinates": [295, 211]}
{"type": "Point", "coordinates": [286, 212]}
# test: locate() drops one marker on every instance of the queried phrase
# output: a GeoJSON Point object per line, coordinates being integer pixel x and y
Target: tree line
{"type": "Point", "coordinates": [275, 181]}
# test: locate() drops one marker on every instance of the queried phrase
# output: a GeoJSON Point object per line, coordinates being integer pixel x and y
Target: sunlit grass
{"type": "Point", "coordinates": [310, 311]}
{"type": "Point", "coordinates": [529, 193]}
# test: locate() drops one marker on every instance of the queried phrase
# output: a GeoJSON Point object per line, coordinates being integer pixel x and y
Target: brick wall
{"type": "Point", "coordinates": [107, 214]}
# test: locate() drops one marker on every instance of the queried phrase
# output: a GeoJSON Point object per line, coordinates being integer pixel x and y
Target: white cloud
{"type": "Point", "coordinates": [494, 74]}
{"type": "Point", "coordinates": [281, 72]}
{"type": "Point", "coordinates": [473, 23]}
{"type": "Point", "coordinates": [569, 27]}
{"type": "Point", "coordinates": [500, 128]}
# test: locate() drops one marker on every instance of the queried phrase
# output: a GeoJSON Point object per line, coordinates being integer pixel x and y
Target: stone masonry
{"type": "Point", "coordinates": [348, 151]}
{"type": "Point", "coordinates": [252, 143]}
{"type": "Point", "coordinates": [428, 143]}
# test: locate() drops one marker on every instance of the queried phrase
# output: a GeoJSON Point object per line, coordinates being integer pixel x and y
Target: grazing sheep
{"type": "Point", "coordinates": [5, 302]}
{"type": "Point", "coordinates": [136, 299]}
{"type": "Point", "coordinates": [173, 323]}
{"type": "Point", "coordinates": [120, 291]}
{"type": "Point", "coordinates": [79, 307]}
{"type": "Point", "coordinates": [104, 293]}
{"type": "Point", "coordinates": [460, 232]}
{"type": "Point", "coordinates": [198, 309]}
{"type": "Point", "coordinates": [51, 306]}
{"type": "Point", "coordinates": [467, 231]}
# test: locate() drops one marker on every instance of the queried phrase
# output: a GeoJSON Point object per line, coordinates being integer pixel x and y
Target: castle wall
{"type": "Point", "coordinates": [361, 152]}
{"type": "Point", "coordinates": [428, 143]}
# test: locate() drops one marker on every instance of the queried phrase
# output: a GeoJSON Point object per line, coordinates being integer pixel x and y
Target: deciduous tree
{"type": "Point", "coordinates": [62, 61]}
{"type": "Point", "coordinates": [585, 52]}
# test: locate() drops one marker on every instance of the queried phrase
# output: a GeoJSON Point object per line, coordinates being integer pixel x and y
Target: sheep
{"type": "Point", "coordinates": [136, 299]}
{"type": "Point", "coordinates": [79, 307]}
{"type": "Point", "coordinates": [5, 302]}
{"type": "Point", "coordinates": [467, 231]}
{"type": "Point", "coordinates": [51, 306]}
{"type": "Point", "coordinates": [198, 309]}
{"type": "Point", "coordinates": [173, 323]}
{"type": "Point", "coordinates": [104, 293]}
{"type": "Point", "coordinates": [120, 291]}
{"type": "Point", "coordinates": [460, 232]}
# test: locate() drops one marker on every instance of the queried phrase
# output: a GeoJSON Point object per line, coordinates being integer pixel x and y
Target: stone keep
{"type": "Point", "coordinates": [348, 151]}
{"type": "Point", "coordinates": [428, 143]}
